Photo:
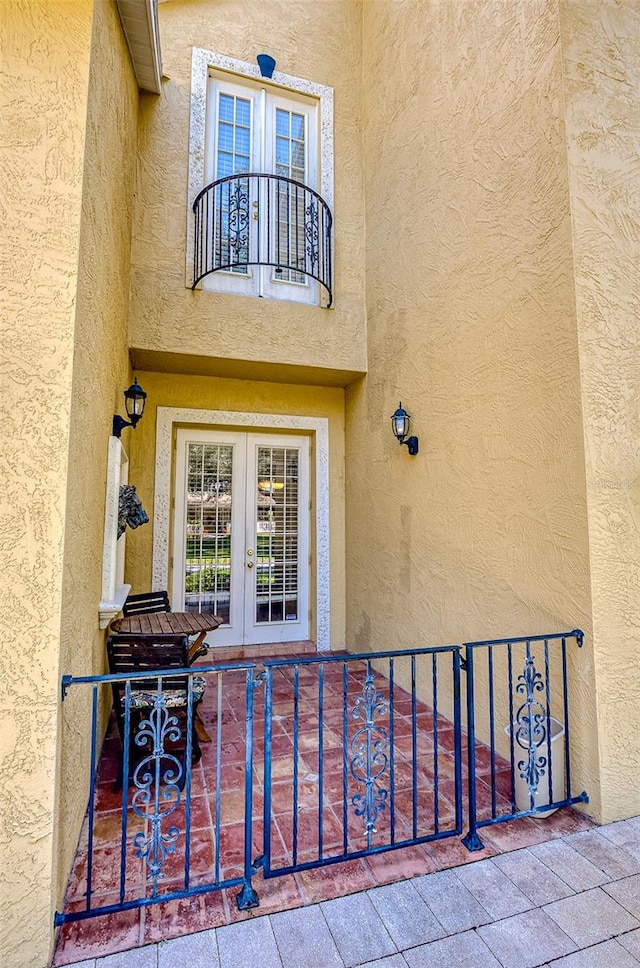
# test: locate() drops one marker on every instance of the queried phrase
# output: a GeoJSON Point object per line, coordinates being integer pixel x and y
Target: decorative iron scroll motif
{"type": "Point", "coordinates": [266, 220]}
{"type": "Point", "coordinates": [238, 200]}
{"type": "Point", "coordinates": [369, 761]}
{"type": "Point", "coordinates": [157, 778]}
{"type": "Point", "coordinates": [312, 235]}
{"type": "Point", "coordinates": [531, 731]}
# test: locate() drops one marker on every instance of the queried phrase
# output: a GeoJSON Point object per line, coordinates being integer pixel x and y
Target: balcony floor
{"type": "Point", "coordinates": [106, 934]}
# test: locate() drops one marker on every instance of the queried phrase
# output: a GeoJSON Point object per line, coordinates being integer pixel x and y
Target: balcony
{"type": "Point", "coordinates": [263, 220]}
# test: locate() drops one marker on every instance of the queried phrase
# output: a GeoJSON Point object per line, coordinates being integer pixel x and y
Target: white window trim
{"type": "Point", "coordinates": [202, 60]}
{"type": "Point", "coordinates": [114, 591]}
{"type": "Point", "coordinates": [167, 417]}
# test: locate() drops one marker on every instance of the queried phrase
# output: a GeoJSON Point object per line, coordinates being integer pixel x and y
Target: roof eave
{"type": "Point", "coordinates": [139, 20]}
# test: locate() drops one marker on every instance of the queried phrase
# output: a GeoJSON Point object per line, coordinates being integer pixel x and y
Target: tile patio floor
{"type": "Point", "coordinates": [208, 923]}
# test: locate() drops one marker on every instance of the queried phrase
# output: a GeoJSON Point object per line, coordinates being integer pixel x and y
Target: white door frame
{"type": "Point", "coordinates": [168, 417]}
{"type": "Point", "coordinates": [243, 626]}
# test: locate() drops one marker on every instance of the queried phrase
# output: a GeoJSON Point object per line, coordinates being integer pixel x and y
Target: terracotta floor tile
{"type": "Point", "coordinates": [232, 777]}
{"type": "Point", "coordinates": [398, 865]}
{"type": "Point", "coordinates": [276, 894]}
{"type": "Point", "coordinates": [513, 835]}
{"type": "Point", "coordinates": [233, 805]}
{"type": "Point", "coordinates": [281, 743]}
{"type": "Point", "coordinates": [307, 792]}
{"type": "Point", "coordinates": [335, 880]}
{"type": "Point", "coordinates": [105, 872]}
{"type": "Point", "coordinates": [425, 813]}
{"type": "Point", "coordinates": [106, 798]}
{"type": "Point", "coordinates": [310, 740]}
{"type": "Point", "coordinates": [565, 822]}
{"type": "Point", "coordinates": [307, 829]}
{"type": "Point", "coordinates": [201, 856]}
{"type": "Point", "coordinates": [200, 816]}
{"type": "Point", "coordinates": [171, 919]}
{"type": "Point", "coordinates": [451, 853]}
{"type": "Point", "coordinates": [107, 827]}
{"type": "Point", "coordinates": [97, 936]}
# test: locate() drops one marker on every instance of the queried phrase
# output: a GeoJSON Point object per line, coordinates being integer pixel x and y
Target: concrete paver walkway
{"type": "Point", "coordinates": [569, 903]}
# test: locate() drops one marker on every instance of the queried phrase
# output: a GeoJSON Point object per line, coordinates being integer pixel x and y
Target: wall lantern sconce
{"type": "Point", "coordinates": [134, 401]}
{"type": "Point", "coordinates": [267, 64]}
{"type": "Point", "coordinates": [400, 424]}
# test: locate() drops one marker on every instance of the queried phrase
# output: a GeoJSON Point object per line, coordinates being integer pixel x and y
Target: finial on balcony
{"type": "Point", "coordinates": [267, 64]}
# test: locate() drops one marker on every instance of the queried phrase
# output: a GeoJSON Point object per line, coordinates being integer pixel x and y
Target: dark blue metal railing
{"type": "Point", "coordinates": [525, 777]}
{"type": "Point", "coordinates": [267, 220]}
{"type": "Point", "coordinates": [362, 754]}
{"type": "Point", "coordinates": [157, 771]}
{"type": "Point", "coordinates": [370, 792]}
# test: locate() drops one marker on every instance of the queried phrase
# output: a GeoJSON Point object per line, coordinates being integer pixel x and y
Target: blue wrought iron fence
{"type": "Point", "coordinates": [519, 689]}
{"type": "Point", "coordinates": [374, 764]}
{"type": "Point", "coordinates": [155, 796]}
{"type": "Point", "coordinates": [341, 756]}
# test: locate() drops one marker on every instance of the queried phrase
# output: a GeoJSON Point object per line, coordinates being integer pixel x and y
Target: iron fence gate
{"type": "Point", "coordinates": [517, 698]}
{"type": "Point", "coordinates": [304, 762]}
{"type": "Point", "coordinates": [370, 754]}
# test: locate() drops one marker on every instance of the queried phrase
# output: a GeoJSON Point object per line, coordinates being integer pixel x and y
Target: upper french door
{"type": "Point", "coordinates": [252, 128]}
{"type": "Point", "coordinates": [241, 534]}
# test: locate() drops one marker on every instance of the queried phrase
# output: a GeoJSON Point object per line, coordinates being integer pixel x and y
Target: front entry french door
{"type": "Point", "coordinates": [241, 534]}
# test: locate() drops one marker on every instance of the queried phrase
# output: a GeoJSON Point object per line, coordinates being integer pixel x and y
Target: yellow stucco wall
{"type": "Point", "coordinates": [601, 57]}
{"type": "Point", "coordinates": [208, 393]}
{"type": "Point", "coordinates": [43, 71]}
{"type": "Point", "coordinates": [319, 42]}
{"type": "Point", "coordinates": [500, 259]}
{"type": "Point", "coordinates": [101, 373]}
{"type": "Point", "coordinates": [472, 324]}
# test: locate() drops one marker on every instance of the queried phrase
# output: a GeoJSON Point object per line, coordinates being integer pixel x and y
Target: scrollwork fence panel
{"type": "Point", "coordinates": [518, 702]}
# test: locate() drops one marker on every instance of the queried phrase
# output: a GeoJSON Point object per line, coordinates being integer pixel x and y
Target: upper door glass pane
{"type": "Point", "coordinates": [277, 522]}
{"type": "Point", "coordinates": [207, 564]}
{"type": "Point", "coordinates": [234, 135]}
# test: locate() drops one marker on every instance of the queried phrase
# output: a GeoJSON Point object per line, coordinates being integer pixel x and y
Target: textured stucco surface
{"type": "Point", "coordinates": [101, 373]}
{"type": "Point", "coordinates": [471, 323]}
{"type": "Point", "coordinates": [319, 41]}
{"type": "Point", "coordinates": [73, 140]}
{"type": "Point", "coordinates": [43, 74]}
{"type": "Point", "coordinates": [601, 55]}
{"type": "Point", "coordinates": [202, 393]}
{"type": "Point", "coordinates": [497, 144]}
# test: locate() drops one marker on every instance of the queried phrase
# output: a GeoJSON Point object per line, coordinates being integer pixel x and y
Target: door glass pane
{"type": "Point", "coordinates": [231, 218]}
{"type": "Point", "coordinates": [208, 543]}
{"type": "Point", "coordinates": [290, 162]}
{"type": "Point", "coordinates": [276, 571]}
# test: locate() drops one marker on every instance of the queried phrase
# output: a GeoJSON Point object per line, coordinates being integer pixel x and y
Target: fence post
{"type": "Point", "coordinates": [471, 841]}
{"type": "Point", "coordinates": [247, 898]}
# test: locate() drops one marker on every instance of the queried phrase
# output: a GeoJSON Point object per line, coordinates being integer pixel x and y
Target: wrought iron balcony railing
{"type": "Point", "coordinates": [263, 220]}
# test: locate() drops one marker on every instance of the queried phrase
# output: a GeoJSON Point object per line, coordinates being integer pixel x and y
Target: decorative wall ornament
{"type": "Point", "coordinates": [531, 725]}
{"type": "Point", "coordinates": [157, 778]}
{"type": "Point", "coordinates": [130, 511]}
{"type": "Point", "coordinates": [369, 760]}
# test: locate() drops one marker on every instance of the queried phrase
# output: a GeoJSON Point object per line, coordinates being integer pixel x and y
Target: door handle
{"type": "Point", "coordinates": [249, 564]}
